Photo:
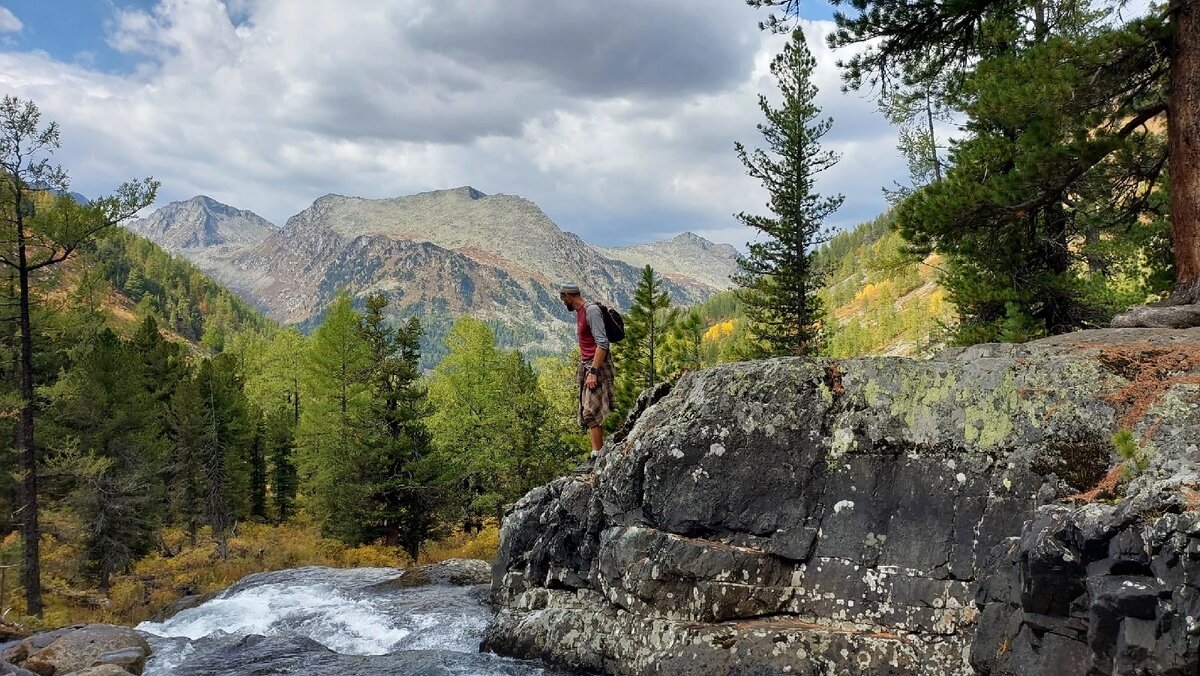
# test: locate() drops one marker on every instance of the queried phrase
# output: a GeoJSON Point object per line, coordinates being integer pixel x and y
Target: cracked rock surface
{"type": "Point", "coordinates": [880, 516]}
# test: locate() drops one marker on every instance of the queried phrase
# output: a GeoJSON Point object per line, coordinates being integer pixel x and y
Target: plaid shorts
{"type": "Point", "coordinates": [595, 405]}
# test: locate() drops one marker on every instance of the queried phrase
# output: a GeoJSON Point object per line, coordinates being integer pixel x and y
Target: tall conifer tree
{"type": "Point", "coordinates": [42, 226]}
{"type": "Point", "coordinates": [113, 447]}
{"type": "Point", "coordinates": [778, 278]}
{"type": "Point", "coordinates": [683, 350]}
{"type": "Point", "coordinates": [648, 323]}
{"type": "Point", "coordinates": [404, 507]}
{"type": "Point", "coordinates": [333, 436]}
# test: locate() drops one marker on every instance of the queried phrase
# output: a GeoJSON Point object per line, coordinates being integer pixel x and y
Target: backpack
{"type": "Point", "coordinates": [614, 323]}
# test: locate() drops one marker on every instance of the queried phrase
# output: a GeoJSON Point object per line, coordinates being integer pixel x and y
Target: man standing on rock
{"type": "Point", "coordinates": [595, 372]}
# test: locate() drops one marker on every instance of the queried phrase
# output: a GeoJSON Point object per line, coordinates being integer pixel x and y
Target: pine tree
{"type": "Point", "coordinates": [226, 460]}
{"type": "Point", "coordinates": [527, 410]}
{"type": "Point", "coordinates": [404, 508]}
{"type": "Point", "coordinates": [561, 433]}
{"type": "Point", "coordinates": [470, 419]}
{"type": "Point", "coordinates": [684, 348]}
{"type": "Point", "coordinates": [191, 433]}
{"type": "Point", "coordinates": [496, 433]}
{"type": "Point", "coordinates": [648, 324]}
{"type": "Point", "coordinates": [112, 450]}
{"type": "Point", "coordinates": [258, 468]}
{"type": "Point", "coordinates": [280, 437]}
{"type": "Point", "coordinates": [334, 437]}
{"type": "Point", "coordinates": [778, 278]}
{"type": "Point", "coordinates": [915, 112]}
{"type": "Point", "coordinates": [135, 286]}
{"type": "Point", "coordinates": [1094, 158]}
{"type": "Point", "coordinates": [273, 363]}
{"type": "Point", "coordinates": [43, 226]}
{"type": "Point", "coordinates": [161, 364]}
{"type": "Point", "coordinates": [212, 431]}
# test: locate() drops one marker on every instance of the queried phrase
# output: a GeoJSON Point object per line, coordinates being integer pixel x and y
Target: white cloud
{"type": "Point", "coordinates": [9, 23]}
{"type": "Point", "coordinates": [607, 115]}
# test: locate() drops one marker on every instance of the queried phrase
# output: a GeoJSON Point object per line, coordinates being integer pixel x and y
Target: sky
{"type": "Point", "coordinates": [618, 118]}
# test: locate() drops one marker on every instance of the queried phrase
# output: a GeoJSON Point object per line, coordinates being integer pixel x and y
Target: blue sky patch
{"type": "Point", "coordinates": [72, 31]}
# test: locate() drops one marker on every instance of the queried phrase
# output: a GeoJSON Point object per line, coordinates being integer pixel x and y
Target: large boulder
{"type": "Point", "coordinates": [75, 649]}
{"type": "Point", "coordinates": [877, 516]}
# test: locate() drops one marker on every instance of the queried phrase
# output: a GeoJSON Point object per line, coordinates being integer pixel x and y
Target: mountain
{"type": "Point", "coordinates": [685, 259]}
{"type": "Point", "coordinates": [202, 223]}
{"type": "Point", "coordinates": [437, 255]}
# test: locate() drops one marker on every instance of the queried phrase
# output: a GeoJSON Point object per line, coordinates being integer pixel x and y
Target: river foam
{"type": "Point", "coordinates": [351, 612]}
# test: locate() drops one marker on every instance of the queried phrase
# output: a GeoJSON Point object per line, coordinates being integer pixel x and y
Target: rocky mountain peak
{"type": "Point", "coordinates": [463, 191]}
{"type": "Point", "coordinates": [202, 222]}
{"type": "Point", "coordinates": [690, 237]}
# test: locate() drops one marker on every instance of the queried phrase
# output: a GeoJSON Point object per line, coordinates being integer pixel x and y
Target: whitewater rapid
{"type": "Point", "coordinates": [320, 618]}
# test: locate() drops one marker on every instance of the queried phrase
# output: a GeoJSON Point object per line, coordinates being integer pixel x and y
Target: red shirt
{"type": "Point", "coordinates": [587, 344]}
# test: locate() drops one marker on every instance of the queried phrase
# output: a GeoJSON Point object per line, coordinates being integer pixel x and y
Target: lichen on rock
{"type": "Point", "coordinates": [879, 515]}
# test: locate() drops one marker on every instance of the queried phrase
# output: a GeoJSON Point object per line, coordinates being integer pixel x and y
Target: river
{"type": "Point", "coordinates": [325, 620]}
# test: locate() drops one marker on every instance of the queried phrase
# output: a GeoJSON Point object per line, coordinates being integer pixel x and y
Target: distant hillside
{"type": "Point", "coordinates": [885, 301]}
{"type": "Point", "coordinates": [436, 255]}
{"type": "Point", "coordinates": [882, 300]}
{"type": "Point", "coordinates": [137, 278]}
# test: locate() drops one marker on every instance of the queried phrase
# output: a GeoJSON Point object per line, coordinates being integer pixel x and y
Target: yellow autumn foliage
{"type": "Point", "coordinates": [872, 291]}
{"type": "Point", "coordinates": [719, 330]}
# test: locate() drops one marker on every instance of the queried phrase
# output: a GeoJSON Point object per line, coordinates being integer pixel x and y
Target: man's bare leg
{"type": "Point", "coordinates": [597, 436]}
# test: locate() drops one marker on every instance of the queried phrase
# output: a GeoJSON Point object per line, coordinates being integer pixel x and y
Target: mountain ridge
{"type": "Point", "coordinates": [437, 254]}
{"type": "Point", "coordinates": [688, 257]}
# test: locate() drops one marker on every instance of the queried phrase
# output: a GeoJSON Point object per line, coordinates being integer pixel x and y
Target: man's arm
{"type": "Point", "coordinates": [595, 320]}
{"type": "Point", "coordinates": [601, 355]}
{"type": "Point", "coordinates": [596, 323]}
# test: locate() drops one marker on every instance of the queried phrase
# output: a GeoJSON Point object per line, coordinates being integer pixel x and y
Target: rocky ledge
{"type": "Point", "coordinates": [1002, 509]}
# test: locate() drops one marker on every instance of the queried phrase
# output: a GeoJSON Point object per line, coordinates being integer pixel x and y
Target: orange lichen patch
{"type": "Point", "coordinates": [1192, 498]}
{"type": "Point", "coordinates": [1105, 488]}
{"type": "Point", "coordinates": [1151, 370]}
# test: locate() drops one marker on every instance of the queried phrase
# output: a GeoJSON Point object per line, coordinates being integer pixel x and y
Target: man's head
{"type": "Point", "coordinates": [568, 293]}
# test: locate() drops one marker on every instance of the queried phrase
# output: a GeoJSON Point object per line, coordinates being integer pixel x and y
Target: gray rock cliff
{"type": "Point", "coordinates": [960, 515]}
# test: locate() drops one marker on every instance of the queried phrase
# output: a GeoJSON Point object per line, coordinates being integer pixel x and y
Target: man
{"type": "Point", "coordinates": [595, 372]}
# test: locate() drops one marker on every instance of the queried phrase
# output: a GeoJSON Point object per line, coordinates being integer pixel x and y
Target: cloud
{"type": "Point", "coordinates": [9, 23]}
{"type": "Point", "coordinates": [618, 118]}
{"type": "Point", "coordinates": [609, 49]}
